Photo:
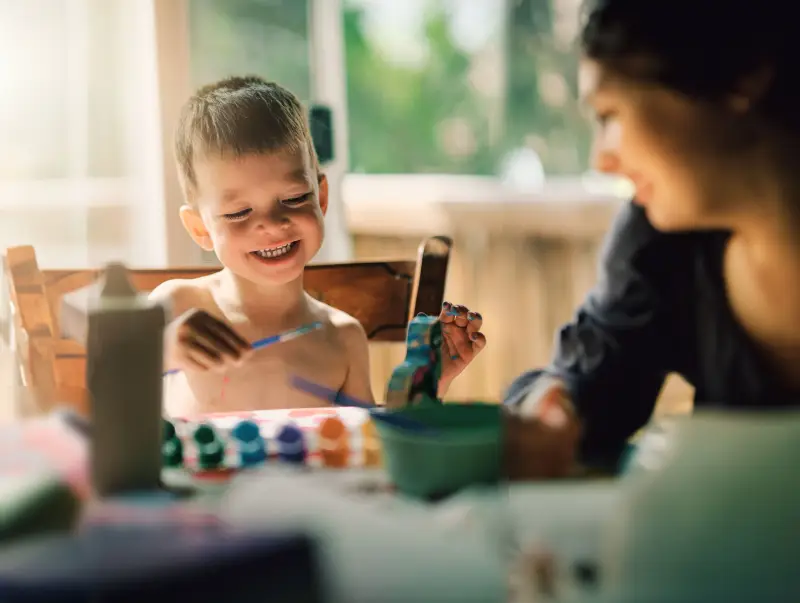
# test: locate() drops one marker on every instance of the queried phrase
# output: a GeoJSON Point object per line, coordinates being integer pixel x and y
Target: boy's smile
{"type": "Point", "coordinates": [279, 255]}
{"type": "Point", "coordinates": [276, 252]}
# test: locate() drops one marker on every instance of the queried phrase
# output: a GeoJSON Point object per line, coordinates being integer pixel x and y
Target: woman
{"type": "Point", "coordinates": [697, 103]}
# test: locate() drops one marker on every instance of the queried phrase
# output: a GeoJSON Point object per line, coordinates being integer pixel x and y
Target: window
{"type": "Point", "coordinates": [34, 114]}
{"type": "Point", "coordinates": [104, 107]}
{"type": "Point", "coordinates": [251, 37]}
{"type": "Point", "coordinates": [78, 105]}
{"type": "Point", "coordinates": [61, 114]}
{"type": "Point", "coordinates": [463, 86]}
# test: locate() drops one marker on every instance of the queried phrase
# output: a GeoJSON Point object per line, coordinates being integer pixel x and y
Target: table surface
{"type": "Point", "coordinates": [462, 546]}
{"type": "Point", "coordinates": [382, 546]}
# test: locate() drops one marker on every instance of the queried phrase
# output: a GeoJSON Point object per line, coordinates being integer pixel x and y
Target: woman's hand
{"type": "Point", "coordinates": [542, 436]}
{"type": "Point", "coordinates": [463, 341]}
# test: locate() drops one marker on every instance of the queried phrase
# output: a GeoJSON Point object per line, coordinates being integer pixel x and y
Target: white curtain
{"type": "Point", "coordinates": [80, 140]}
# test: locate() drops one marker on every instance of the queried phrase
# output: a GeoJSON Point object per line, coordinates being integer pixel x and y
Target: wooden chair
{"type": "Point", "coordinates": [382, 295]}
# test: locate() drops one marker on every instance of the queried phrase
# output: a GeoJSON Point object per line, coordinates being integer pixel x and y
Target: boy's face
{"type": "Point", "coordinates": [262, 214]}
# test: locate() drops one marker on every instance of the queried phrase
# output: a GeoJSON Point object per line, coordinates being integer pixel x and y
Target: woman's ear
{"type": "Point", "coordinates": [194, 225]}
{"type": "Point", "coordinates": [751, 90]}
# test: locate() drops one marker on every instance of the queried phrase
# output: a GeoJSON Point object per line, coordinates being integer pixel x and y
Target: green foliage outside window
{"type": "Point", "coordinates": [425, 117]}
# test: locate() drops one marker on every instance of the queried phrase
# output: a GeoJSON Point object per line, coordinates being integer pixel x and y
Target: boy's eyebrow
{"type": "Point", "coordinates": [299, 176]}
{"type": "Point", "coordinates": [230, 194]}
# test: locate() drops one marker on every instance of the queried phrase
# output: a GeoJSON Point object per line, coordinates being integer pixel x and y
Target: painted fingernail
{"type": "Point", "coordinates": [421, 314]}
{"type": "Point", "coordinates": [447, 305]}
{"type": "Point", "coordinates": [473, 316]}
{"type": "Point", "coordinates": [452, 313]}
{"type": "Point", "coordinates": [454, 357]}
{"type": "Point", "coordinates": [554, 416]}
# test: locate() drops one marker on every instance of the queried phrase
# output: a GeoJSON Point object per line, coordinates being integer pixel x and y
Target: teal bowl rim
{"type": "Point", "coordinates": [465, 436]}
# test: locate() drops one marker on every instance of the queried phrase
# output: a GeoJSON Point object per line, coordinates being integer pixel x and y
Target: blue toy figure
{"type": "Point", "coordinates": [416, 379]}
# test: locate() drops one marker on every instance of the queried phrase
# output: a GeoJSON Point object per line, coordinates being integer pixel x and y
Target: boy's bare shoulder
{"type": "Point", "coordinates": [347, 327]}
{"type": "Point", "coordinates": [183, 294]}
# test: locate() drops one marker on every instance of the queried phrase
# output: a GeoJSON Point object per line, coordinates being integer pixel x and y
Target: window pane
{"type": "Point", "coordinates": [251, 37]}
{"type": "Point", "coordinates": [542, 109]}
{"type": "Point", "coordinates": [34, 76]}
{"type": "Point", "coordinates": [462, 86]}
{"type": "Point", "coordinates": [108, 35]}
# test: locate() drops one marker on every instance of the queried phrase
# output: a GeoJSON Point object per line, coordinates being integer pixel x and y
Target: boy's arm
{"type": "Point", "coordinates": [357, 382]}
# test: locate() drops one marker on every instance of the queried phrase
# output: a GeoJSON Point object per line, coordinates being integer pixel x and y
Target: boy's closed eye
{"type": "Point", "coordinates": [293, 202]}
{"type": "Point", "coordinates": [238, 215]}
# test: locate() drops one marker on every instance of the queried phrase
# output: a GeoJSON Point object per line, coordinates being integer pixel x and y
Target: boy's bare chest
{"type": "Point", "coordinates": [264, 381]}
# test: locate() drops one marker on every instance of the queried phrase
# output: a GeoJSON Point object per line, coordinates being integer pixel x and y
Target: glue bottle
{"type": "Point", "coordinates": [124, 341]}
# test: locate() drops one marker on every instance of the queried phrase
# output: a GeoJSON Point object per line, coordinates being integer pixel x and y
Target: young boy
{"type": "Point", "coordinates": [254, 194]}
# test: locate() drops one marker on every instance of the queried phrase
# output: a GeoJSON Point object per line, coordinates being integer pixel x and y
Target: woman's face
{"type": "Point", "coordinates": [677, 152]}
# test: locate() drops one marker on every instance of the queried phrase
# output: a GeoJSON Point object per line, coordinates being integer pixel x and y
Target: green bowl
{"type": "Point", "coordinates": [466, 449]}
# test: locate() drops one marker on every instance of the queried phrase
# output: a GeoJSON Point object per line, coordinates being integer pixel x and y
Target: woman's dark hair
{"type": "Point", "coordinates": [702, 48]}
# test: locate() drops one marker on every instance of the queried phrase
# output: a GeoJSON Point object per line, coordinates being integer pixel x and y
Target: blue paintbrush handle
{"type": "Point", "coordinates": [286, 335]}
{"type": "Point", "coordinates": [332, 396]}
{"type": "Point", "coordinates": [340, 399]}
{"type": "Point", "coordinates": [273, 339]}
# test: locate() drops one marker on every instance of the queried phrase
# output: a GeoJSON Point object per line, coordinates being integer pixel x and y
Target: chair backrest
{"type": "Point", "coordinates": [382, 295]}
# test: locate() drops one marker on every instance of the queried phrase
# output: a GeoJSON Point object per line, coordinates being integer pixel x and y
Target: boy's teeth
{"type": "Point", "coordinates": [275, 252]}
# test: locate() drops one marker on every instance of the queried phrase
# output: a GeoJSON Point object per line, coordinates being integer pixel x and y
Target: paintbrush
{"type": "Point", "coordinates": [340, 399]}
{"type": "Point", "coordinates": [273, 339]}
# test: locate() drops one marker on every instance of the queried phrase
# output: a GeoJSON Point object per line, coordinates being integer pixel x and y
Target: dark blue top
{"type": "Point", "coordinates": [659, 306]}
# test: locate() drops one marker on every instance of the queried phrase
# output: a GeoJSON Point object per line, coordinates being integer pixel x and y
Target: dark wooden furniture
{"type": "Point", "coordinates": [382, 295]}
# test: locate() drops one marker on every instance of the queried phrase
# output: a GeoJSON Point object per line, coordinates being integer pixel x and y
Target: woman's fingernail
{"type": "Point", "coordinates": [554, 416]}
{"type": "Point", "coordinates": [454, 357]}
{"type": "Point", "coordinates": [447, 305]}
{"type": "Point", "coordinates": [474, 336]}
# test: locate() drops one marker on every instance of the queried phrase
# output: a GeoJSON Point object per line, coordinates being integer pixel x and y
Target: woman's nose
{"type": "Point", "coordinates": [605, 151]}
{"type": "Point", "coordinates": [606, 162]}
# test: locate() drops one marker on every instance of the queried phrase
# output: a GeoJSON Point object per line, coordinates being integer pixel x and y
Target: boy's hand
{"type": "Point", "coordinates": [198, 341]}
{"type": "Point", "coordinates": [463, 341]}
{"type": "Point", "coordinates": [542, 440]}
